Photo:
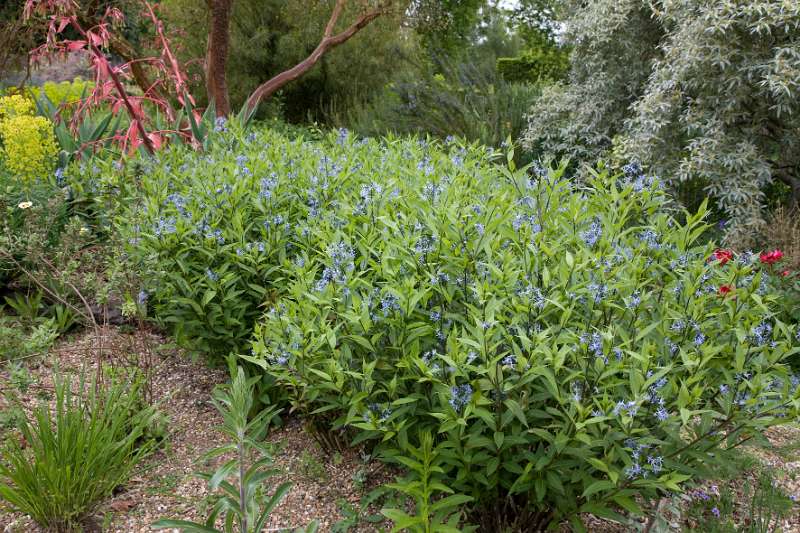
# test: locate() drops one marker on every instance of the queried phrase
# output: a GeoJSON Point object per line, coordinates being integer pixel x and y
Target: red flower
{"type": "Point", "coordinates": [723, 256]}
{"type": "Point", "coordinates": [785, 273]}
{"type": "Point", "coordinates": [725, 289]}
{"type": "Point", "coordinates": [770, 258]}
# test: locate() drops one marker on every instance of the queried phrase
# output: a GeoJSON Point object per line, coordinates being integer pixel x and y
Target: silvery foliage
{"type": "Point", "coordinates": [613, 45]}
{"type": "Point", "coordinates": [692, 89]}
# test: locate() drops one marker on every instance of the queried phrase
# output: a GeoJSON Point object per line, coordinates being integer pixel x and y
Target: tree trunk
{"type": "Point", "coordinates": [217, 55]}
{"type": "Point", "coordinates": [794, 184]}
{"type": "Point", "coordinates": [328, 42]}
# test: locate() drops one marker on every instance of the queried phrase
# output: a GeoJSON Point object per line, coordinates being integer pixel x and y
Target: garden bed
{"type": "Point", "coordinates": [324, 487]}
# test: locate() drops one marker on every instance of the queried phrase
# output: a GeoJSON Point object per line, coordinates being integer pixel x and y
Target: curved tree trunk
{"type": "Point", "coordinates": [217, 55]}
{"type": "Point", "coordinates": [328, 42]}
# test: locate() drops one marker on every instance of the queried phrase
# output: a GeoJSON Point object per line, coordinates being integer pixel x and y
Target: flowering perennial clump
{"type": "Point", "coordinates": [573, 347]}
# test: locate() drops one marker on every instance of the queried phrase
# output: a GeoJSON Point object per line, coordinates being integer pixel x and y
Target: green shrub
{"type": "Point", "coordinates": [32, 214]}
{"type": "Point", "coordinates": [63, 93]}
{"type": "Point", "coordinates": [533, 324]}
{"type": "Point", "coordinates": [19, 340]}
{"type": "Point", "coordinates": [27, 142]}
{"type": "Point", "coordinates": [216, 232]}
{"type": "Point", "coordinates": [46, 229]}
{"type": "Point", "coordinates": [73, 457]}
{"type": "Point", "coordinates": [468, 100]}
{"type": "Point", "coordinates": [535, 65]}
{"type": "Point", "coordinates": [572, 346]}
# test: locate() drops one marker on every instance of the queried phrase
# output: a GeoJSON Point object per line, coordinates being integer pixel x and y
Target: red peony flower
{"type": "Point", "coordinates": [785, 273]}
{"type": "Point", "coordinates": [725, 289]}
{"type": "Point", "coordinates": [723, 256]}
{"type": "Point", "coordinates": [770, 258]}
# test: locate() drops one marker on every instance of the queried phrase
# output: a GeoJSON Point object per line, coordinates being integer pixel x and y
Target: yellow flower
{"type": "Point", "coordinates": [15, 105]}
{"type": "Point", "coordinates": [29, 144]}
{"type": "Point", "coordinates": [25, 205]}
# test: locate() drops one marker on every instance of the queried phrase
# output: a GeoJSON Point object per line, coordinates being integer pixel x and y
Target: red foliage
{"type": "Point", "coordinates": [108, 79]}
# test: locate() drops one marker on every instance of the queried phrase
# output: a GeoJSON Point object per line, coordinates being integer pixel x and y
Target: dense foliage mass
{"type": "Point", "coordinates": [529, 344]}
{"type": "Point", "coordinates": [535, 325]}
{"type": "Point", "coordinates": [703, 91]}
{"type": "Point", "coordinates": [27, 144]}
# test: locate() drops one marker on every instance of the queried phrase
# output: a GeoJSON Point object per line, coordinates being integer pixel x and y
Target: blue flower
{"type": "Point", "coordinates": [630, 407]}
{"type": "Point", "coordinates": [600, 291]}
{"type": "Point", "coordinates": [179, 202]}
{"type": "Point", "coordinates": [216, 235]}
{"type": "Point", "coordinates": [656, 463]}
{"type": "Point", "coordinates": [673, 348]}
{"type": "Point", "coordinates": [268, 185]}
{"type": "Point", "coordinates": [632, 170]}
{"type": "Point", "coordinates": [429, 356]}
{"type": "Point", "coordinates": [577, 391]}
{"type": "Point", "coordinates": [432, 191]}
{"type": "Point", "coordinates": [59, 174]}
{"type": "Point", "coordinates": [460, 396]}
{"type": "Point", "coordinates": [165, 225]}
{"type": "Point", "coordinates": [699, 339]}
{"type": "Point", "coordinates": [389, 303]}
{"type": "Point", "coordinates": [762, 333]}
{"type": "Point", "coordinates": [634, 300]}
{"type": "Point", "coordinates": [633, 471]}
{"type": "Point", "coordinates": [210, 274]}
{"type": "Point", "coordinates": [141, 298]}
{"type": "Point", "coordinates": [593, 234]}
{"type": "Point", "coordinates": [342, 257]}
{"type": "Point", "coordinates": [425, 245]}
{"type": "Point", "coordinates": [678, 325]}
{"type": "Point", "coordinates": [650, 238]}
{"type": "Point", "coordinates": [596, 344]}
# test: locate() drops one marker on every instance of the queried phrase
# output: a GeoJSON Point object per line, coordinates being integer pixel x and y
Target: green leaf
{"type": "Point", "coordinates": [183, 525]}
{"type": "Point", "coordinates": [597, 486]}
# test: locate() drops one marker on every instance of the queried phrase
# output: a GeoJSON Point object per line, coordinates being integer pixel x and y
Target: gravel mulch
{"type": "Point", "coordinates": [165, 486]}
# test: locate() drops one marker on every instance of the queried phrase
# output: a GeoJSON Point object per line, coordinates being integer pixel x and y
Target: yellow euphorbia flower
{"type": "Point", "coordinates": [28, 143]}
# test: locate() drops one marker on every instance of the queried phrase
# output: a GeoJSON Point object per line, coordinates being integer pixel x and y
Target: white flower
{"type": "Point", "coordinates": [25, 205]}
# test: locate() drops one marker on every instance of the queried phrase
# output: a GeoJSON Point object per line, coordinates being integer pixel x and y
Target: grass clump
{"type": "Point", "coordinates": [72, 455]}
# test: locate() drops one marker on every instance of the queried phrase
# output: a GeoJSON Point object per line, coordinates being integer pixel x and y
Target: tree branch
{"type": "Point", "coordinates": [328, 42]}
